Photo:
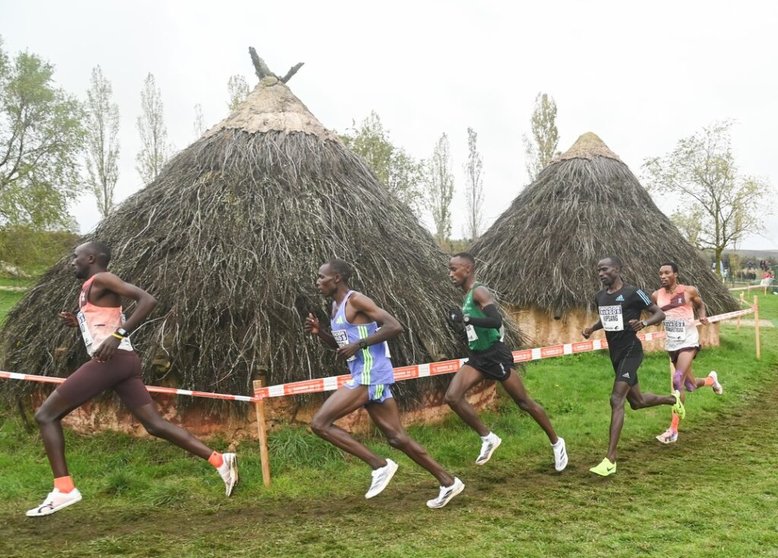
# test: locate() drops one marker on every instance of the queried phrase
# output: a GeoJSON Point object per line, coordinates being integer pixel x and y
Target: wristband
{"type": "Point", "coordinates": [117, 336]}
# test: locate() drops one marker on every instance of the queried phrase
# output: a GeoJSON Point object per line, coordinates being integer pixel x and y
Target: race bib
{"type": "Point", "coordinates": [611, 318]}
{"type": "Point", "coordinates": [675, 330]}
{"type": "Point", "coordinates": [85, 335]}
{"type": "Point", "coordinates": [471, 334]}
{"type": "Point", "coordinates": [341, 338]}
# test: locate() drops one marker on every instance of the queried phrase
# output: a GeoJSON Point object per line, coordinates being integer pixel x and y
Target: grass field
{"type": "Point", "coordinates": [714, 493]}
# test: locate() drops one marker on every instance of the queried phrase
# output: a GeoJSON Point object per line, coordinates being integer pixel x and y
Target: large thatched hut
{"type": "Point", "coordinates": [541, 253]}
{"type": "Point", "coordinates": [229, 239]}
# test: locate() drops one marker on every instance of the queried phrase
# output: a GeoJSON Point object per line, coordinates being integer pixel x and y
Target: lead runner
{"type": "Point", "coordinates": [113, 365]}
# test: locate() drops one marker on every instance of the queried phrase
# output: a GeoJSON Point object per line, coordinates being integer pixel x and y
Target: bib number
{"type": "Point", "coordinates": [472, 336]}
{"type": "Point", "coordinates": [675, 330]}
{"type": "Point", "coordinates": [341, 338]}
{"type": "Point", "coordinates": [611, 318]}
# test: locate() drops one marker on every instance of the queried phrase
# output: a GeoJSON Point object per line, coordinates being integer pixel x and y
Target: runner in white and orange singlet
{"type": "Point", "coordinates": [682, 341]}
{"type": "Point", "coordinates": [113, 365]}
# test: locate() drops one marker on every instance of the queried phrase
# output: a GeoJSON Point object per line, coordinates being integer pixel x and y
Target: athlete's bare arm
{"type": "Point", "coordinates": [108, 290]}
{"type": "Point", "coordinates": [362, 309]}
{"type": "Point", "coordinates": [656, 316]}
{"type": "Point", "coordinates": [313, 327]}
{"type": "Point", "coordinates": [699, 306]}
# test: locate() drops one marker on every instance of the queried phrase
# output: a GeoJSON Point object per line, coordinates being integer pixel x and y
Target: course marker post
{"type": "Point", "coordinates": [742, 303]}
{"type": "Point", "coordinates": [756, 329]}
{"type": "Point", "coordinates": [264, 455]}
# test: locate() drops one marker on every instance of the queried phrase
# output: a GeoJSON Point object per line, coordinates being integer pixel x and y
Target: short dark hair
{"type": "Point", "coordinates": [672, 264]}
{"type": "Point", "coordinates": [465, 256]}
{"type": "Point", "coordinates": [615, 260]}
{"type": "Point", "coordinates": [101, 251]}
{"type": "Point", "coordinates": [340, 267]}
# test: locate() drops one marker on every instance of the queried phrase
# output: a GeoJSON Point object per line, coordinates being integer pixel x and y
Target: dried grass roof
{"type": "Point", "coordinates": [585, 205]}
{"type": "Point", "coordinates": [229, 239]}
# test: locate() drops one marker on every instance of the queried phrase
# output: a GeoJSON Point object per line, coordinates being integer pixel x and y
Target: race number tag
{"type": "Point", "coordinates": [86, 336]}
{"type": "Point", "coordinates": [341, 338]}
{"type": "Point", "coordinates": [471, 334]}
{"type": "Point", "coordinates": [611, 318]}
{"type": "Point", "coordinates": [675, 330]}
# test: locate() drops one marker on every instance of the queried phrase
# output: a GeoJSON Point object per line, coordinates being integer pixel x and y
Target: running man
{"type": "Point", "coordinates": [359, 331]}
{"type": "Point", "coordinates": [682, 341]}
{"type": "Point", "coordinates": [619, 306]}
{"type": "Point", "coordinates": [489, 359]}
{"type": "Point", "coordinates": [113, 365]}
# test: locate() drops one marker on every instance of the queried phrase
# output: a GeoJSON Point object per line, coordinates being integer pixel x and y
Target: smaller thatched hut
{"type": "Point", "coordinates": [541, 253]}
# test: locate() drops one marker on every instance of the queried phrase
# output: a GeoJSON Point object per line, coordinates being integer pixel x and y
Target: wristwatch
{"type": "Point", "coordinates": [123, 332]}
{"type": "Point", "coordinates": [362, 343]}
{"type": "Point", "coordinates": [644, 322]}
{"type": "Point", "coordinates": [466, 319]}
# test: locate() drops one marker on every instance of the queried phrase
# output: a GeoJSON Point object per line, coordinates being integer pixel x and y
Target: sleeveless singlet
{"type": "Point", "coordinates": [98, 322]}
{"type": "Point", "coordinates": [478, 338]}
{"type": "Point", "coordinates": [680, 331]}
{"type": "Point", "coordinates": [368, 366]}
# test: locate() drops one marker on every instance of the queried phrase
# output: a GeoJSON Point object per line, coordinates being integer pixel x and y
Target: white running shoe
{"type": "Point", "coordinates": [718, 389]}
{"type": "Point", "coordinates": [560, 454]}
{"type": "Point", "coordinates": [668, 437]}
{"type": "Point", "coordinates": [54, 502]}
{"type": "Point", "coordinates": [229, 472]}
{"type": "Point", "coordinates": [446, 494]}
{"type": "Point", "coordinates": [381, 478]}
{"type": "Point", "coordinates": [491, 443]}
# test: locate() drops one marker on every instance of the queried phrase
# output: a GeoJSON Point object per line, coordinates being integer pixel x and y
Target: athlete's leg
{"type": "Point", "coordinates": [157, 426]}
{"type": "Point", "coordinates": [683, 366]}
{"type": "Point", "coordinates": [387, 417]}
{"type": "Point", "coordinates": [638, 400]}
{"type": "Point", "coordinates": [49, 417]}
{"type": "Point", "coordinates": [515, 388]}
{"type": "Point", "coordinates": [338, 405]}
{"type": "Point", "coordinates": [463, 380]}
{"type": "Point", "coordinates": [618, 395]}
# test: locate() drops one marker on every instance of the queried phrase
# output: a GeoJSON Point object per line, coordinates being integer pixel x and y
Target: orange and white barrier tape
{"type": "Point", "coordinates": [331, 383]}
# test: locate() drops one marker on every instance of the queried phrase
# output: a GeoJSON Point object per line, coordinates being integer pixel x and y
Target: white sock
{"type": "Point", "coordinates": [487, 437]}
{"type": "Point", "coordinates": [558, 441]}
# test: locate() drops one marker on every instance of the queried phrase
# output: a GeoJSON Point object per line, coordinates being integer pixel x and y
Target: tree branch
{"type": "Point", "coordinates": [260, 68]}
{"type": "Point", "coordinates": [292, 71]}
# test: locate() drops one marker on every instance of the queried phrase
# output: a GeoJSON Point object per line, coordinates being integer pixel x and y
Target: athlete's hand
{"type": "Point", "coordinates": [636, 325]}
{"type": "Point", "coordinates": [106, 349]}
{"type": "Point", "coordinates": [455, 315]}
{"type": "Point", "coordinates": [348, 351]}
{"type": "Point", "coordinates": [586, 332]}
{"type": "Point", "coordinates": [311, 324]}
{"type": "Point", "coordinates": [68, 319]}
{"type": "Point", "coordinates": [704, 320]}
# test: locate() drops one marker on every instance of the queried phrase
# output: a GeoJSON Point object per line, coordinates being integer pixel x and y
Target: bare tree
{"type": "Point", "coordinates": [238, 90]}
{"type": "Point", "coordinates": [199, 121]}
{"type": "Point", "coordinates": [545, 137]}
{"type": "Point", "coordinates": [721, 205]}
{"type": "Point", "coordinates": [441, 189]}
{"type": "Point", "coordinates": [153, 132]}
{"type": "Point", "coordinates": [474, 186]}
{"type": "Point", "coordinates": [102, 140]}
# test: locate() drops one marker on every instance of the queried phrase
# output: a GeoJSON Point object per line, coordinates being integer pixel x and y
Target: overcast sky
{"type": "Point", "coordinates": [640, 75]}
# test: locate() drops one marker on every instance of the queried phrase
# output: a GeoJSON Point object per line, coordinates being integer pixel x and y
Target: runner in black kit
{"type": "Point", "coordinates": [619, 306]}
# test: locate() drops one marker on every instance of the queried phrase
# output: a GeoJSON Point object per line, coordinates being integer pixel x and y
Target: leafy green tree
{"type": "Point", "coordinates": [41, 138]}
{"type": "Point", "coordinates": [720, 206]}
{"type": "Point", "coordinates": [153, 132]}
{"type": "Point", "coordinates": [399, 172]}
{"type": "Point", "coordinates": [441, 189]}
{"type": "Point", "coordinates": [474, 187]}
{"type": "Point", "coordinates": [545, 137]}
{"type": "Point", "coordinates": [102, 140]}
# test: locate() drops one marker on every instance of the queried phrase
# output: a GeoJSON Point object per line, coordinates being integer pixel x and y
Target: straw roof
{"type": "Point", "coordinates": [586, 204]}
{"type": "Point", "coordinates": [229, 239]}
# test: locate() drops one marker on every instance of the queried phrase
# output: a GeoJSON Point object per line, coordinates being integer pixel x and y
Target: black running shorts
{"type": "Point", "coordinates": [495, 363]}
{"type": "Point", "coordinates": [122, 373]}
{"type": "Point", "coordinates": [626, 363]}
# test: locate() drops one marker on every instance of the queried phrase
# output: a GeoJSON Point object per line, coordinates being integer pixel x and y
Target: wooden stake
{"type": "Point", "coordinates": [264, 455]}
{"type": "Point", "coordinates": [756, 329]}
{"type": "Point", "coordinates": [742, 303]}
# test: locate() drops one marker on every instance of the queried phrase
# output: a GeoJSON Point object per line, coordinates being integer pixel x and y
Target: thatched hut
{"type": "Point", "coordinates": [229, 239]}
{"type": "Point", "coordinates": [541, 253]}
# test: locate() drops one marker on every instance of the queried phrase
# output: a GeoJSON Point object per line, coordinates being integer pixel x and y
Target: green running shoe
{"type": "Point", "coordinates": [678, 407]}
{"type": "Point", "coordinates": [605, 468]}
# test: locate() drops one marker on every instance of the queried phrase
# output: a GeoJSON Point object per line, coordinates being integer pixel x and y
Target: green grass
{"type": "Point", "coordinates": [714, 493]}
